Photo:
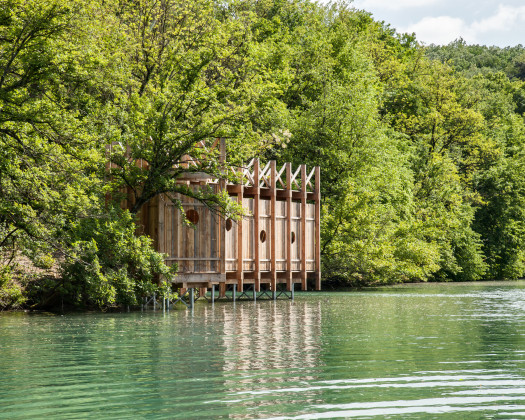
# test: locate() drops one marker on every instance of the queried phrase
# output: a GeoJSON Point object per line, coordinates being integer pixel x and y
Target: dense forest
{"type": "Point", "coordinates": [421, 148]}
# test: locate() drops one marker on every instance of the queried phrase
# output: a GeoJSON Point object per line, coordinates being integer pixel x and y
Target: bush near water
{"type": "Point", "coordinates": [422, 149]}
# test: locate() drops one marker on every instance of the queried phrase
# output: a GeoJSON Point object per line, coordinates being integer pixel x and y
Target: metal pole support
{"type": "Point", "coordinates": [234, 294]}
{"type": "Point", "coordinates": [192, 298]}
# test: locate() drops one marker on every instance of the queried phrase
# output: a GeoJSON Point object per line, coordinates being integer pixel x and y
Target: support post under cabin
{"type": "Point", "coordinates": [303, 227]}
{"type": "Point", "coordinates": [240, 245]}
{"type": "Point", "coordinates": [222, 227]}
{"type": "Point", "coordinates": [273, 255]}
{"type": "Point", "coordinates": [317, 196]}
{"type": "Point", "coordinates": [289, 280]}
{"type": "Point", "coordinates": [256, 255]}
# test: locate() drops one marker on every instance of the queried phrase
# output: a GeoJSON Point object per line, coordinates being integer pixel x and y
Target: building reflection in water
{"type": "Point", "coordinates": [267, 346]}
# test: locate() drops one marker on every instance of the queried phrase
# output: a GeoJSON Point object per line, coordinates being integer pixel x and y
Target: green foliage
{"type": "Point", "coordinates": [193, 73]}
{"type": "Point", "coordinates": [59, 65]}
{"type": "Point", "coordinates": [47, 158]}
{"type": "Point", "coordinates": [11, 292]}
{"type": "Point", "coordinates": [333, 98]}
{"type": "Point", "coordinates": [496, 92]}
{"type": "Point", "coordinates": [474, 59]}
{"type": "Point", "coordinates": [420, 148]}
{"type": "Point", "coordinates": [501, 221]}
{"type": "Point", "coordinates": [109, 264]}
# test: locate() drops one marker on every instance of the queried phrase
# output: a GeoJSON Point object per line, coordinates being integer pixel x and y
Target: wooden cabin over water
{"type": "Point", "coordinates": [277, 242]}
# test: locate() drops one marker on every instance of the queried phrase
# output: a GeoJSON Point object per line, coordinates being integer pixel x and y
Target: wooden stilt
{"type": "Point", "coordinates": [288, 237]}
{"type": "Point", "coordinates": [162, 227]}
{"type": "Point", "coordinates": [222, 224]}
{"type": "Point", "coordinates": [240, 256]}
{"type": "Point", "coordinates": [187, 266]}
{"type": "Point", "coordinates": [256, 208]}
{"type": "Point", "coordinates": [303, 227]}
{"type": "Point", "coordinates": [317, 195]}
{"type": "Point", "coordinates": [203, 237]}
{"type": "Point", "coordinates": [273, 197]}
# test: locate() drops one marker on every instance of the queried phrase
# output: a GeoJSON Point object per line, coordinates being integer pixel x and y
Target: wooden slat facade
{"type": "Point", "coordinates": [276, 242]}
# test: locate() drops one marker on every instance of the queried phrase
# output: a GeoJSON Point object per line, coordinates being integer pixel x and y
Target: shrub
{"type": "Point", "coordinates": [109, 264]}
{"type": "Point", "coordinates": [11, 293]}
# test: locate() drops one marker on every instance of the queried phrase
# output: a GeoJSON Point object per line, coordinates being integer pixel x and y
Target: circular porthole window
{"type": "Point", "coordinates": [293, 237]}
{"type": "Point", "coordinates": [192, 216]}
{"type": "Point", "coordinates": [262, 236]}
{"type": "Point", "coordinates": [228, 224]}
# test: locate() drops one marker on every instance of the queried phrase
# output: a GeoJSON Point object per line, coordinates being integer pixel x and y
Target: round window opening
{"type": "Point", "coordinates": [293, 237]}
{"type": "Point", "coordinates": [228, 224]}
{"type": "Point", "coordinates": [192, 216]}
{"type": "Point", "coordinates": [263, 236]}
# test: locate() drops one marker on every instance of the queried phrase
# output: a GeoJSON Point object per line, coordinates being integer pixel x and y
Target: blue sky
{"type": "Point", "coordinates": [485, 22]}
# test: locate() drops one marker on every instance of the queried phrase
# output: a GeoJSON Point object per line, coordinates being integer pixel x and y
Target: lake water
{"type": "Point", "coordinates": [444, 351]}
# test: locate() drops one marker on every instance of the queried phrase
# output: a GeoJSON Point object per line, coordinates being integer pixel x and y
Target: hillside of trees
{"type": "Point", "coordinates": [421, 148]}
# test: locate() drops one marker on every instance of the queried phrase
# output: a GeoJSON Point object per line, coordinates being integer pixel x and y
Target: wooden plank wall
{"type": "Point", "coordinates": [279, 235]}
{"type": "Point", "coordinates": [196, 249]}
{"type": "Point", "coordinates": [231, 245]}
{"type": "Point", "coordinates": [248, 238]}
{"type": "Point", "coordinates": [310, 237]}
{"type": "Point", "coordinates": [264, 236]}
{"type": "Point", "coordinates": [296, 234]}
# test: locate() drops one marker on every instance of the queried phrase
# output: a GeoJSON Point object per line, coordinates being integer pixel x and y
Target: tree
{"type": "Point", "coordinates": [194, 73]}
{"type": "Point", "coordinates": [55, 62]}
{"type": "Point", "coordinates": [43, 153]}
{"type": "Point", "coordinates": [333, 97]}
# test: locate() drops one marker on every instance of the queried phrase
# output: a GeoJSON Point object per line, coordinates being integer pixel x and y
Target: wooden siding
{"type": "Point", "coordinates": [276, 241]}
{"type": "Point", "coordinates": [196, 249]}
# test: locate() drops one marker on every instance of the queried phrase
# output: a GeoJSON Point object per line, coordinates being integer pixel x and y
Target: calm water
{"type": "Point", "coordinates": [430, 351]}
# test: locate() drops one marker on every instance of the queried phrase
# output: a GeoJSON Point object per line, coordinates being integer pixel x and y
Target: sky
{"type": "Point", "coordinates": [486, 22]}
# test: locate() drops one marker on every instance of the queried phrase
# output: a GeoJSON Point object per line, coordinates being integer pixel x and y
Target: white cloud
{"type": "Point", "coordinates": [504, 20]}
{"type": "Point", "coordinates": [445, 29]}
{"type": "Point", "coordinates": [392, 4]}
{"type": "Point", "coordinates": [440, 30]}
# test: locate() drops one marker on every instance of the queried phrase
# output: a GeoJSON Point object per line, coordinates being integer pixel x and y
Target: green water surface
{"type": "Point", "coordinates": [451, 351]}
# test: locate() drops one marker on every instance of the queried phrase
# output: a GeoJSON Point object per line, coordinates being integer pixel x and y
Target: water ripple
{"type": "Point", "coordinates": [447, 351]}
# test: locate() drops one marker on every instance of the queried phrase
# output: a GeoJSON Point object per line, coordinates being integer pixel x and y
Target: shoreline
{"type": "Point", "coordinates": [337, 289]}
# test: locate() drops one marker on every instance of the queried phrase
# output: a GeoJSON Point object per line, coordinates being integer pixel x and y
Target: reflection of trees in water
{"type": "Point", "coordinates": [387, 334]}
{"type": "Point", "coordinates": [500, 314]}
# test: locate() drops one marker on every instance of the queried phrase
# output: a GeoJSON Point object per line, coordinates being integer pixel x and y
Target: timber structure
{"type": "Point", "coordinates": [276, 244]}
